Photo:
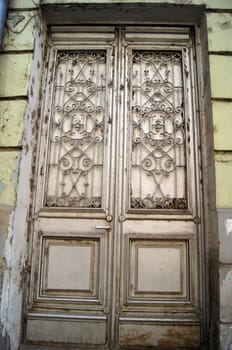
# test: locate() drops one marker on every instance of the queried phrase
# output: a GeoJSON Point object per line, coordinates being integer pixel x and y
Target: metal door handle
{"type": "Point", "coordinates": [103, 227]}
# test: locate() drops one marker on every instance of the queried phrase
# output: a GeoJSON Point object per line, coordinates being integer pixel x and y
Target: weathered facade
{"type": "Point", "coordinates": [187, 235]}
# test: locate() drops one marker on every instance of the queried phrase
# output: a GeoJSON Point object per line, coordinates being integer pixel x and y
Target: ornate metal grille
{"type": "Point", "coordinates": [158, 169]}
{"type": "Point", "coordinates": [76, 142]}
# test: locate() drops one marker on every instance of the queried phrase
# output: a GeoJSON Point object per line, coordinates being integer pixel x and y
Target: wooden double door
{"type": "Point", "coordinates": [116, 241]}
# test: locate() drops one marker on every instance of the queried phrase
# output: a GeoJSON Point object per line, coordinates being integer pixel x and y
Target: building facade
{"type": "Point", "coordinates": [115, 189]}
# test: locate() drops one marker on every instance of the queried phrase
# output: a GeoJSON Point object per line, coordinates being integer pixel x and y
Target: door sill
{"type": "Point", "coordinates": [52, 347]}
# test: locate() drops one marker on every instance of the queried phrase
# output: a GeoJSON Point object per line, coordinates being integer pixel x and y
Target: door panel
{"type": "Point", "coordinates": [82, 280]}
{"type": "Point", "coordinates": [157, 122]}
{"type": "Point", "coordinates": [159, 285]}
{"type": "Point", "coordinates": [116, 228]}
{"type": "Point", "coordinates": [69, 297]}
{"type": "Point", "coordinates": [52, 329]}
{"type": "Point", "coordinates": [160, 336]}
{"type": "Point", "coordinates": [76, 159]}
{"type": "Point", "coordinates": [165, 278]}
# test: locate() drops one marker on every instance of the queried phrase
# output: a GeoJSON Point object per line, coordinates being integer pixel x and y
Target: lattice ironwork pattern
{"type": "Point", "coordinates": [76, 142]}
{"type": "Point", "coordinates": [158, 168]}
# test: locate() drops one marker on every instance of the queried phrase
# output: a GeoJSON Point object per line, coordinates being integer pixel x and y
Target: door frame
{"type": "Point", "coordinates": [169, 14]}
{"type": "Point", "coordinates": [127, 13]}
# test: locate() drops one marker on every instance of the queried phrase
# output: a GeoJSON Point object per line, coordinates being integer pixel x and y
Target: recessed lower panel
{"type": "Point", "coordinates": [71, 331]}
{"type": "Point", "coordinates": [178, 336]}
{"type": "Point", "coordinates": [71, 267]}
{"type": "Point", "coordinates": [157, 269]}
{"type": "Point", "coordinates": [75, 270]}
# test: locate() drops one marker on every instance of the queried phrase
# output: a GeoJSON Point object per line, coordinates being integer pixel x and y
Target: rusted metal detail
{"type": "Point", "coordinates": [197, 220]}
{"type": "Point", "coordinates": [139, 339]}
{"type": "Point", "coordinates": [121, 218]}
{"type": "Point", "coordinates": [4, 215]}
{"type": "Point", "coordinates": [160, 336]}
{"type": "Point", "coordinates": [181, 337]}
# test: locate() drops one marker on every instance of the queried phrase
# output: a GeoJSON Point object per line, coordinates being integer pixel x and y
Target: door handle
{"type": "Point", "coordinates": [103, 227]}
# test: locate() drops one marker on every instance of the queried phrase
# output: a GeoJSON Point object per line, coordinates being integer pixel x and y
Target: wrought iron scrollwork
{"type": "Point", "coordinates": [76, 153]}
{"type": "Point", "coordinates": [158, 171]}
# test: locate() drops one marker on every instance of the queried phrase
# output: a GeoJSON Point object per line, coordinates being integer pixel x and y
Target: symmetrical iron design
{"type": "Point", "coordinates": [76, 142]}
{"type": "Point", "coordinates": [158, 169]}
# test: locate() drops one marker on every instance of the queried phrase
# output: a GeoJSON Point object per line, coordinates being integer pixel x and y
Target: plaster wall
{"type": "Point", "coordinates": [19, 98]}
{"type": "Point", "coordinates": [220, 50]}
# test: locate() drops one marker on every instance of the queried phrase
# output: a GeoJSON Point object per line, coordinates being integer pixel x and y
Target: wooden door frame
{"type": "Point", "coordinates": [153, 14]}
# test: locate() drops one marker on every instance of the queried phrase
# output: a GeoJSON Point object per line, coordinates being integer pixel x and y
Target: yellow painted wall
{"type": "Point", "coordinates": [15, 66]}
{"type": "Point", "coordinates": [8, 177]}
{"type": "Point", "coordinates": [220, 49]}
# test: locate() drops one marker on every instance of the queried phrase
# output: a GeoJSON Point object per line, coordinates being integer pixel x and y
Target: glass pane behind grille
{"type": "Point", "coordinates": [158, 152]}
{"type": "Point", "coordinates": [77, 127]}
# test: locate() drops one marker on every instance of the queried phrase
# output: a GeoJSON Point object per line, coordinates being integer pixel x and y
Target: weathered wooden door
{"type": "Point", "coordinates": [117, 236]}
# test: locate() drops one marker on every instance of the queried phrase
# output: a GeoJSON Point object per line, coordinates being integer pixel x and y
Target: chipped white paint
{"type": "Point", "coordinates": [15, 248]}
{"type": "Point", "coordinates": [226, 302]}
{"type": "Point", "coordinates": [228, 226]}
{"type": "Point", "coordinates": [225, 337]}
{"type": "Point", "coordinates": [226, 294]}
{"type": "Point", "coordinates": [11, 295]}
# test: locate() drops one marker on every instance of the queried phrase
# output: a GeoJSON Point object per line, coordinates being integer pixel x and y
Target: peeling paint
{"type": "Point", "coordinates": [228, 225]}
{"type": "Point", "coordinates": [8, 177]}
{"type": "Point", "coordinates": [226, 337]}
{"type": "Point", "coordinates": [225, 25]}
{"type": "Point", "coordinates": [19, 33]}
{"type": "Point", "coordinates": [11, 123]}
{"type": "Point", "coordinates": [16, 67]}
{"type": "Point", "coordinates": [176, 337]}
{"type": "Point", "coordinates": [160, 335]}
{"type": "Point", "coordinates": [135, 338]}
{"type": "Point", "coordinates": [222, 119]}
{"type": "Point", "coordinates": [23, 3]}
{"type": "Point", "coordinates": [220, 70]}
{"type": "Point", "coordinates": [15, 251]}
{"type": "Point", "coordinates": [226, 288]}
{"type": "Point", "coordinates": [226, 295]}
{"type": "Point", "coordinates": [220, 31]}
{"type": "Point", "coordinates": [4, 218]}
{"type": "Point", "coordinates": [223, 184]}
